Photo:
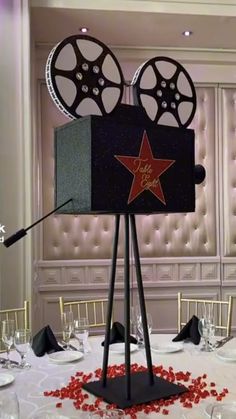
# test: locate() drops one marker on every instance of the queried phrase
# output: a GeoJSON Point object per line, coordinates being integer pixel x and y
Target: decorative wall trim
{"type": "Point", "coordinates": [162, 275]}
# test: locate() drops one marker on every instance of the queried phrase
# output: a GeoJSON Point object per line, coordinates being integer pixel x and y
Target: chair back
{"type": "Point", "coordinates": [21, 317]}
{"type": "Point", "coordinates": [94, 310]}
{"type": "Point", "coordinates": [221, 309]}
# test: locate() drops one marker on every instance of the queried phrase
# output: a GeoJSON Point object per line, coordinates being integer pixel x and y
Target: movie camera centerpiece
{"type": "Point", "coordinates": [121, 159]}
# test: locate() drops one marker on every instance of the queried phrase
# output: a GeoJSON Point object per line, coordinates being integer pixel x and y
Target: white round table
{"type": "Point", "coordinates": [45, 375]}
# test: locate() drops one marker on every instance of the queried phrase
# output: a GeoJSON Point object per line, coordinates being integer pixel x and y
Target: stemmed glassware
{"type": "Point", "coordinates": [22, 343]}
{"type": "Point", "coordinates": [206, 327]}
{"type": "Point", "coordinates": [8, 331]}
{"type": "Point", "coordinates": [134, 315]}
{"type": "Point", "coordinates": [139, 331]}
{"type": "Point", "coordinates": [67, 323]}
{"type": "Point", "coordinates": [81, 332]}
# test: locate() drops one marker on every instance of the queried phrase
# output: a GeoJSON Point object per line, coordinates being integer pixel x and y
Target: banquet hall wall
{"type": "Point", "coordinates": [71, 256]}
{"type": "Point", "coordinates": [193, 253]}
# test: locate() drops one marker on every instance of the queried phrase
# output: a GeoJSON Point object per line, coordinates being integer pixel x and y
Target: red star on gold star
{"type": "Point", "coordinates": [146, 170]}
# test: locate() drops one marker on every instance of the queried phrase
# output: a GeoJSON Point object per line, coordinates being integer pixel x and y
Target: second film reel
{"type": "Point", "coordinates": [165, 90]}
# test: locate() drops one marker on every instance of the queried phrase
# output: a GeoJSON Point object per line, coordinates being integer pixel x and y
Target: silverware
{"type": "Point", "coordinates": [73, 347]}
{"type": "Point", "coordinates": [65, 345]}
{"type": "Point", "coordinates": [223, 341]}
{"type": "Point", "coordinates": [4, 360]}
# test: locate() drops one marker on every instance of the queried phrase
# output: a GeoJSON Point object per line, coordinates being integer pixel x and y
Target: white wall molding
{"type": "Point", "coordinates": [97, 274]}
{"type": "Point", "coordinates": [133, 54]}
{"type": "Point", "coordinates": [193, 7]}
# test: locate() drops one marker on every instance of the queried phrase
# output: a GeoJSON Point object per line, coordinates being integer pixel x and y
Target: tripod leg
{"type": "Point", "coordinates": [127, 308]}
{"type": "Point", "coordinates": [110, 301]}
{"type": "Point", "coordinates": [141, 298]}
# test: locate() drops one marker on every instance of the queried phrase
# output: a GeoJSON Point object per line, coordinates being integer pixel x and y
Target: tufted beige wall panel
{"type": "Point", "coordinates": [191, 234]}
{"type": "Point", "coordinates": [67, 237]}
{"type": "Point", "coordinates": [229, 169]}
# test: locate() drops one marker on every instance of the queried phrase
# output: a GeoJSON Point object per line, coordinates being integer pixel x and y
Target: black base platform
{"type": "Point", "coordinates": [141, 390]}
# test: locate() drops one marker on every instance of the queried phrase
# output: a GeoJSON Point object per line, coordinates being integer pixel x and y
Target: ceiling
{"type": "Point", "coordinates": [131, 28]}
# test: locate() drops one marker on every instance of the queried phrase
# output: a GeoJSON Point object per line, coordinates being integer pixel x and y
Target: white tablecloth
{"type": "Point", "coordinates": [44, 375]}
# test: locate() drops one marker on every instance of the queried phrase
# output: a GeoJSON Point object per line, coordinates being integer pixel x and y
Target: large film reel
{"type": "Point", "coordinates": [165, 90]}
{"type": "Point", "coordinates": [84, 77]}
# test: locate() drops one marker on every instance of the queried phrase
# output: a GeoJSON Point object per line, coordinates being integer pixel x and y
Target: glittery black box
{"type": "Point", "coordinates": [123, 163]}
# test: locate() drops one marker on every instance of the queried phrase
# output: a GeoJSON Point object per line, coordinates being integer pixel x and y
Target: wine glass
{"type": "Point", "coordinates": [204, 330]}
{"type": "Point", "coordinates": [81, 332]}
{"type": "Point", "coordinates": [67, 326]}
{"type": "Point", "coordinates": [22, 342]}
{"type": "Point", "coordinates": [8, 330]}
{"type": "Point", "coordinates": [9, 405]}
{"type": "Point", "coordinates": [207, 331]}
{"type": "Point", "coordinates": [134, 313]}
{"type": "Point", "coordinates": [139, 331]}
{"type": "Point", "coordinates": [209, 315]}
{"type": "Point", "coordinates": [206, 327]}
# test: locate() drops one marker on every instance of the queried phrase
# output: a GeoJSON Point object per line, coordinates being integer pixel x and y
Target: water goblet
{"type": "Point", "coordinates": [134, 313]}
{"type": "Point", "coordinates": [209, 315]}
{"type": "Point", "coordinates": [8, 330]}
{"type": "Point", "coordinates": [206, 330]}
{"type": "Point", "coordinates": [139, 331]}
{"type": "Point", "coordinates": [9, 405]}
{"type": "Point", "coordinates": [206, 327]}
{"type": "Point", "coordinates": [81, 332]}
{"type": "Point", "coordinates": [67, 326]}
{"type": "Point", "coordinates": [22, 343]}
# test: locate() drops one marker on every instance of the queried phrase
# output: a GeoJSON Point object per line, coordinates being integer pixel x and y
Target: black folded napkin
{"type": "Point", "coordinates": [45, 342]}
{"type": "Point", "coordinates": [117, 334]}
{"type": "Point", "coordinates": [190, 332]}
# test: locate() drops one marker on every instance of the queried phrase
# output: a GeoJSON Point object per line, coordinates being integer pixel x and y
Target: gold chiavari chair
{"type": "Point", "coordinates": [94, 310]}
{"type": "Point", "coordinates": [20, 315]}
{"type": "Point", "coordinates": [222, 312]}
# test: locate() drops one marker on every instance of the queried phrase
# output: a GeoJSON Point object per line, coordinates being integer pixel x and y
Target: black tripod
{"type": "Point", "coordinates": [140, 387]}
{"type": "Point", "coordinates": [127, 217]}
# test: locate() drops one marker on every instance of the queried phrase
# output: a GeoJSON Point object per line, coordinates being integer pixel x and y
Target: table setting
{"type": "Point", "coordinates": [44, 377]}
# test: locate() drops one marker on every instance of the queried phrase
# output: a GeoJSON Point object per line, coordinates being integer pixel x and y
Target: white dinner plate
{"type": "Point", "coordinates": [167, 348]}
{"type": "Point", "coordinates": [63, 357]}
{"type": "Point", "coordinates": [6, 379]}
{"type": "Point", "coordinates": [210, 406]}
{"type": "Point", "coordinates": [228, 355]}
{"type": "Point", "coordinates": [119, 348]}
